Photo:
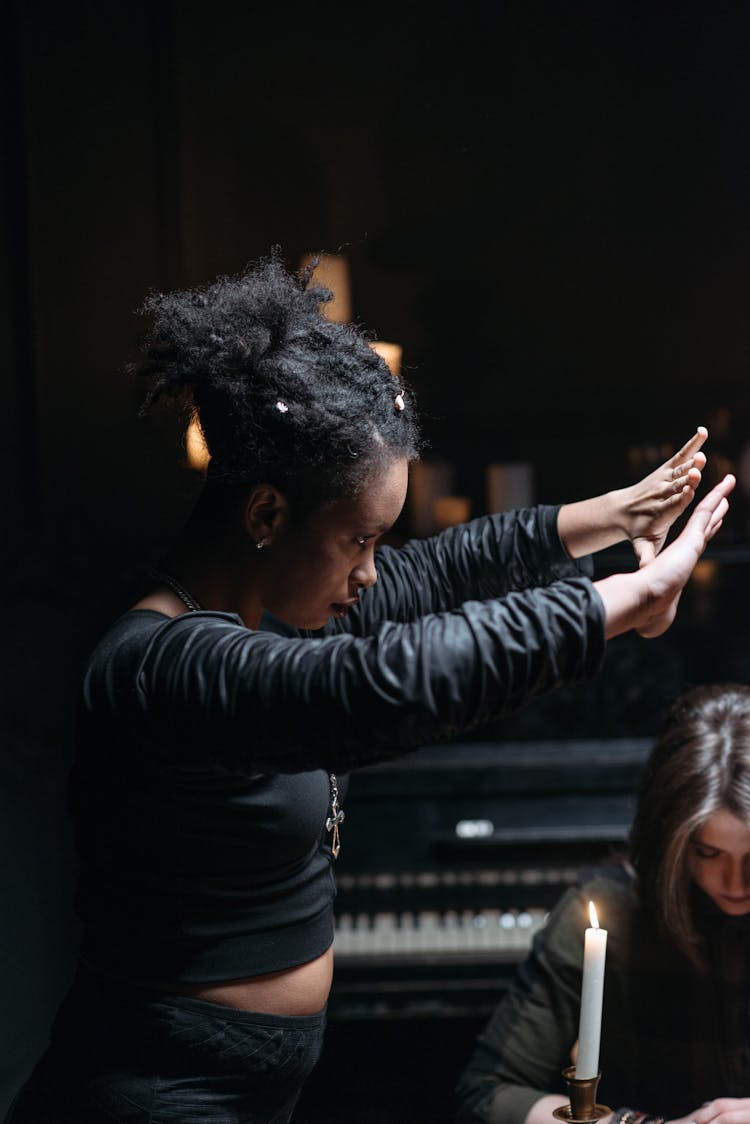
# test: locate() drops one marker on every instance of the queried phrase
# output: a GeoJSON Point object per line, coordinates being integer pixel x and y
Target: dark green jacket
{"type": "Point", "coordinates": [672, 1037]}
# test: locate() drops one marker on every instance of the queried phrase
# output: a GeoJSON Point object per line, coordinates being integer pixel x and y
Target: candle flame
{"type": "Point", "coordinates": [592, 916]}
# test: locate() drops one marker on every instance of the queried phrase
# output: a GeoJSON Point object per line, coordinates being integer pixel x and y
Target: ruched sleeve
{"type": "Point", "coordinates": [487, 557]}
{"type": "Point", "coordinates": [202, 684]}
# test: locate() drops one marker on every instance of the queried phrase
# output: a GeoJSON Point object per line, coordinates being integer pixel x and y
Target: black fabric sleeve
{"type": "Point", "coordinates": [204, 685]}
{"type": "Point", "coordinates": [487, 557]}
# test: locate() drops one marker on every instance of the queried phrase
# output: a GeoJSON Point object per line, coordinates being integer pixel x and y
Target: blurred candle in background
{"type": "Point", "coordinates": [427, 481]}
{"type": "Point", "coordinates": [196, 450]}
{"type": "Point", "coordinates": [332, 272]}
{"type": "Point", "coordinates": [509, 486]}
{"type": "Point", "coordinates": [450, 510]}
{"type": "Point", "coordinates": [391, 352]}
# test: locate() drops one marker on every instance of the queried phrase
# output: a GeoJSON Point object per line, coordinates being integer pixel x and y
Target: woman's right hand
{"type": "Point", "coordinates": [646, 600]}
{"type": "Point", "coordinates": [723, 1110]}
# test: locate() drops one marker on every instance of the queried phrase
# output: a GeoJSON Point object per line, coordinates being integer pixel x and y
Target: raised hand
{"type": "Point", "coordinates": [668, 574]}
{"type": "Point", "coordinates": [642, 513]}
{"type": "Point", "coordinates": [646, 599]}
{"type": "Point", "coordinates": [652, 505]}
{"type": "Point", "coordinates": [723, 1110]}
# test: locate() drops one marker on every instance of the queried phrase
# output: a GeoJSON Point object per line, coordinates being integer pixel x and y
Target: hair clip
{"type": "Point", "coordinates": [282, 407]}
{"type": "Point", "coordinates": [398, 402]}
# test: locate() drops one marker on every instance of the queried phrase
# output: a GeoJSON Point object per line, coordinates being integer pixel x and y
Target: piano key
{"type": "Point", "coordinates": [387, 934]}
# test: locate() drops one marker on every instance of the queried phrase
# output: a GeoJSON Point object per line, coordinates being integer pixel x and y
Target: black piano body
{"type": "Point", "coordinates": [450, 859]}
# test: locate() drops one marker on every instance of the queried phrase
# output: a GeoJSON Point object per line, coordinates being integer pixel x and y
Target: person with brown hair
{"type": "Point", "coordinates": [280, 645]}
{"type": "Point", "coordinates": [675, 1040]}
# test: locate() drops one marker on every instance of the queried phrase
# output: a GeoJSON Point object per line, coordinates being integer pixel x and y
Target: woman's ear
{"type": "Point", "coordinates": [265, 512]}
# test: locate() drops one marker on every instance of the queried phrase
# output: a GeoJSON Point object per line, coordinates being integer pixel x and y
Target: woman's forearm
{"type": "Point", "coordinates": [588, 526]}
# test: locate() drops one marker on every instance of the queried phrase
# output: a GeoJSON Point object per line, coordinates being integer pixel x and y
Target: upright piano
{"type": "Point", "coordinates": [452, 857]}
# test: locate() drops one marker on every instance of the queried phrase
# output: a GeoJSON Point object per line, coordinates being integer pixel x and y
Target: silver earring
{"type": "Point", "coordinates": [260, 544]}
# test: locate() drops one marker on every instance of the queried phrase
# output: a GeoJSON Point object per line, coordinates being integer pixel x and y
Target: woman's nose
{"type": "Point", "coordinates": [364, 573]}
{"type": "Point", "coordinates": [736, 876]}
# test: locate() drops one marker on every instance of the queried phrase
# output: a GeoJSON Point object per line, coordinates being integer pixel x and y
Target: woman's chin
{"type": "Point", "coordinates": [734, 907]}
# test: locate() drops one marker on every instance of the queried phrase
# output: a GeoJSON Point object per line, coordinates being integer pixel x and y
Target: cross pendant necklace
{"type": "Point", "coordinates": [336, 817]}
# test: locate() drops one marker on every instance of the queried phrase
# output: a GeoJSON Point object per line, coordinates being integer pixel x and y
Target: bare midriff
{"type": "Point", "coordinates": [302, 990]}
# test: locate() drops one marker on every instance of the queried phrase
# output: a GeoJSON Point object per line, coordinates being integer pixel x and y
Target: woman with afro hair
{"type": "Point", "coordinates": [280, 646]}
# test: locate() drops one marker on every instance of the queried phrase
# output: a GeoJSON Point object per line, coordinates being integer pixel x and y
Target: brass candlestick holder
{"type": "Point", "coordinates": [583, 1108]}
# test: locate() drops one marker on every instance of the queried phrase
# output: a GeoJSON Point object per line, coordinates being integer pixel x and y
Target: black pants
{"type": "Point", "coordinates": [130, 1055]}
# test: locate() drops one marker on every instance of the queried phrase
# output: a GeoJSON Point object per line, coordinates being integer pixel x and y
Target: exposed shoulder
{"type": "Point", "coordinates": [162, 601]}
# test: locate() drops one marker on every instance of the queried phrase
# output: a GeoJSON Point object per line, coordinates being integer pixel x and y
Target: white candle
{"type": "Point", "coordinates": [592, 993]}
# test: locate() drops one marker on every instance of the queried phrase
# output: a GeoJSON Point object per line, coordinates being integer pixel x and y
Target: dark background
{"type": "Point", "coordinates": [545, 204]}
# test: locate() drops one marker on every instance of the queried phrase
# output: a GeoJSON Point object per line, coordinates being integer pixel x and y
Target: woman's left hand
{"type": "Point", "coordinates": [724, 1110]}
{"type": "Point", "coordinates": [651, 506]}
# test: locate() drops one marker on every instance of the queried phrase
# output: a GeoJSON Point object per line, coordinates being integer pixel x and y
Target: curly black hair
{"type": "Point", "coordinates": [283, 395]}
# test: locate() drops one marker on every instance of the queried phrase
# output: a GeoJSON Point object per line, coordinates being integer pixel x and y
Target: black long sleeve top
{"type": "Point", "coordinates": [204, 749]}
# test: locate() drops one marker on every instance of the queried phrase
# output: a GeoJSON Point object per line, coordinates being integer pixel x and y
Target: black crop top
{"type": "Point", "coordinates": [201, 782]}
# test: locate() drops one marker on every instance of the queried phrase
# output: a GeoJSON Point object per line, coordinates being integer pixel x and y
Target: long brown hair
{"type": "Point", "coordinates": [699, 765]}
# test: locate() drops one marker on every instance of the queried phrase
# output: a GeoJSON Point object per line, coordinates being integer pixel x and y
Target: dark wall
{"type": "Point", "coordinates": [545, 204]}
